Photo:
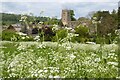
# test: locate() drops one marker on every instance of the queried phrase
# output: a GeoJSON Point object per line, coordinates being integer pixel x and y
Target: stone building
{"type": "Point", "coordinates": [66, 19]}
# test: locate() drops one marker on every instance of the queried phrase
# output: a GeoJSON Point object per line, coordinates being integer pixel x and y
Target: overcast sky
{"type": "Point", "coordinates": [53, 8]}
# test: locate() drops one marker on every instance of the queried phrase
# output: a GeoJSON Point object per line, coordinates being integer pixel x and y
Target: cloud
{"type": "Point", "coordinates": [60, 1]}
{"type": "Point", "coordinates": [54, 8]}
{"type": "Point", "coordinates": [0, 7]}
{"type": "Point", "coordinates": [14, 7]}
{"type": "Point", "coordinates": [83, 8]}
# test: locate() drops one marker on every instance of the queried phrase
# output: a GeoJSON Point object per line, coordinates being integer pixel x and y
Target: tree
{"type": "Point", "coordinates": [83, 19]}
{"type": "Point", "coordinates": [8, 19]}
{"type": "Point", "coordinates": [119, 18]}
{"type": "Point", "coordinates": [107, 24]}
{"type": "Point", "coordinates": [72, 15]}
{"type": "Point", "coordinates": [60, 22]}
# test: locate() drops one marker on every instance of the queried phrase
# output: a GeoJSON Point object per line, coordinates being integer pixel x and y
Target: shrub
{"type": "Point", "coordinates": [82, 40]}
{"type": "Point", "coordinates": [46, 32]}
{"type": "Point", "coordinates": [60, 34]}
{"type": "Point", "coordinates": [82, 30]}
{"type": "Point", "coordinates": [8, 34]}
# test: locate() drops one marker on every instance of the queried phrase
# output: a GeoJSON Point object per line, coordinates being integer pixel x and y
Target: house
{"type": "Point", "coordinates": [17, 27]}
{"type": "Point", "coordinates": [13, 27]}
{"type": "Point", "coordinates": [10, 27]}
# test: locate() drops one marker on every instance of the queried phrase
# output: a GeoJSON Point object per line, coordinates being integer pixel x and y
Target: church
{"type": "Point", "coordinates": [66, 19]}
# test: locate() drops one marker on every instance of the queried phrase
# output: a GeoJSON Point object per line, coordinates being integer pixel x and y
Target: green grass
{"type": "Point", "coordinates": [50, 60]}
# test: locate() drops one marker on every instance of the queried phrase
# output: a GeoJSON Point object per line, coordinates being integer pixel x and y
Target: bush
{"type": "Point", "coordinates": [60, 34]}
{"type": "Point", "coordinates": [82, 31]}
{"type": "Point", "coordinates": [82, 40]}
{"type": "Point", "coordinates": [8, 34]}
{"type": "Point", "coordinates": [47, 33]}
{"type": "Point", "coordinates": [75, 39]}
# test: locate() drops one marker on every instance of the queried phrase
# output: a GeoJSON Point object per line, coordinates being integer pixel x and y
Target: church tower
{"type": "Point", "coordinates": [65, 17]}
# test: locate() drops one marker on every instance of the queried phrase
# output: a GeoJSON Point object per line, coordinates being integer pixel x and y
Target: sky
{"type": "Point", "coordinates": [52, 8]}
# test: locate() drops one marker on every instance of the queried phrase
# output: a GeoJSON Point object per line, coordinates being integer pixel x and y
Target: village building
{"type": "Point", "coordinates": [66, 20]}
{"type": "Point", "coordinates": [17, 27]}
{"type": "Point", "coordinates": [32, 29]}
{"type": "Point", "coordinates": [14, 27]}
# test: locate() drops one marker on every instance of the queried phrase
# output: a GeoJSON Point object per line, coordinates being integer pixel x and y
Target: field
{"type": "Point", "coordinates": [53, 60]}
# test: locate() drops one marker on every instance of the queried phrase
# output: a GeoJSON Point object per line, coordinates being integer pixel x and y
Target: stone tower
{"type": "Point", "coordinates": [65, 17]}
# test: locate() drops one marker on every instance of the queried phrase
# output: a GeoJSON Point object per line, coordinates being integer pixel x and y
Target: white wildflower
{"type": "Point", "coordinates": [50, 76]}
{"type": "Point", "coordinates": [27, 36]}
{"type": "Point", "coordinates": [35, 74]}
{"type": "Point", "coordinates": [55, 28]}
{"type": "Point", "coordinates": [68, 28]}
{"type": "Point", "coordinates": [40, 75]}
{"type": "Point", "coordinates": [56, 76]}
{"type": "Point", "coordinates": [73, 30]}
{"type": "Point", "coordinates": [40, 22]}
{"type": "Point", "coordinates": [97, 60]}
{"type": "Point", "coordinates": [112, 63]}
{"type": "Point", "coordinates": [51, 71]}
{"type": "Point", "coordinates": [90, 43]}
{"type": "Point", "coordinates": [76, 34]}
{"type": "Point", "coordinates": [45, 71]}
{"type": "Point", "coordinates": [94, 18]}
{"type": "Point", "coordinates": [94, 22]}
{"type": "Point", "coordinates": [23, 37]}
{"type": "Point", "coordinates": [20, 20]}
{"type": "Point", "coordinates": [40, 71]}
{"type": "Point", "coordinates": [72, 56]}
{"type": "Point", "coordinates": [68, 48]}
{"type": "Point", "coordinates": [37, 38]}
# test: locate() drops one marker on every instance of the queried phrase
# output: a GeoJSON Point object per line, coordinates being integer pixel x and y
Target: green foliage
{"type": "Point", "coordinates": [31, 59]}
{"type": "Point", "coordinates": [8, 34]}
{"type": "Point", "coordinates": [60, 23]}
{"type": "Point", "coordinates": [108, 22]}
{"type": "Point", "coordinates": [119, 18]}
{"type": "Point", "coordinates": [72, 15]}
{"type": "Point", "coordinates": [82, 40]}
{"type": "Point", "coordinates": [81, 30]}
{"type": "Point", "coordinates": [0, 36]}
{"type": "Point", "coordinates": [52, 21]}
{"type": "Point", "coordinates": [103, 40]}
{"type": "Point", "coordinates": [100, 40]}
{"type": "Point", "coordinates": [75, 39]}
{"type": "Point", "coordinates": [60, 34]}
{"type": "Point", "coordinates": [46, 33]}
{"type": "Point", "coordinates": [8, 19]}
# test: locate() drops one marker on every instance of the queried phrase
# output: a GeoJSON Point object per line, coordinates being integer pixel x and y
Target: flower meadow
{"type": "Point", "coordinates": [53, 60]}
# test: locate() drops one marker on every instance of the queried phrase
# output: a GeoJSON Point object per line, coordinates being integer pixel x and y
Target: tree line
{"type": "Point", "coordinates": [8, 19]}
